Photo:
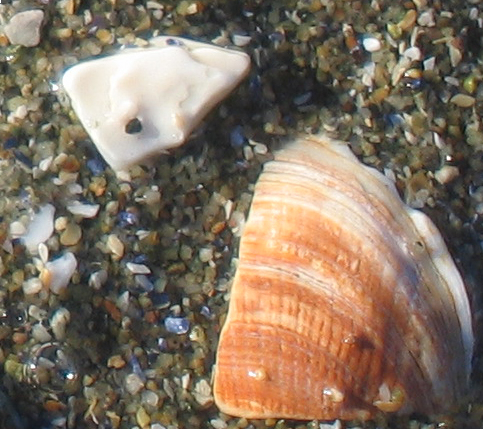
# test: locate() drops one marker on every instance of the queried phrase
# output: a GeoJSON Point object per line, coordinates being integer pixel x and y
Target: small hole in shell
{"type": "Point", "coordinates": [134, 126]}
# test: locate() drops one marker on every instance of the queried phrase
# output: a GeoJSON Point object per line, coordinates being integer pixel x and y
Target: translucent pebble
{"type": "Point", "coordinates": [335, 425]}
{"type": "Point", "coordinates": [177, 325]}
{"type": "Point", "coordinates": [426, 19]}
{"type": "Point", "coordinates": [60, 271]}
{"type": "Point", "coordinates": [150, 398]}
{"type": "Point", "coordinates": [32, 286]}
{"type": "Point", "coordinates": [40, 229]}
{"type": "Point", "coordinates": [463, 100]}
{"type": "Point", "coordinates": [97, 279]}
{"type": "Point", "coordinates": [429, 63]}
{"type": "Point", "coordinates": [138, 268]}
{"type": "Point", "coordinates": [260, 149]}
{"type": "Point", "coordinates": [59, 321]}
{"type": "Point", "coordinates": [237, 137]}
{"type": "Point", "coordinates": [161, 300]}
{"type": "Point", "coordinates": [206, 254]}
{"type": "Point", "coordinates": [136, 367]}
{"type": "Point", "coordinates": [202, 393]}
{"type": "Point", "coordinates": [43, 251]}
{"type": "Point", "coordinates": [24, 28]}
{"type": "Point", "coordinates": [218, 424]}
{"type": "Point", "coordinates": [133, 384]}
{"type": "Point", "coordinates": [84, 210]}
{"type": "Point", "coordinates": [142, 417]}
{"type": "Point", "coordinates": [413, 53]}
{"type": "Point", "coordinates": [40, 333]}
{"type": "Point", "coordinates": [205, 311]}
{"type": "Point", "coordinates": [127, 218]}
{"type": "Point", "coordinates": [71, 235]}
{"type": "Point", "coordinates": [45, 164]}
{"type": "Point", "coordinates": [241, 40]}
{"type": "Point", "coordinates": [143, 282]}
{"type": "Point", "coordinates": [115, 246]}
{"type": "Point", "coordinates": [446, 174]}
{"type": "Point", "coordinates": [96, 166]}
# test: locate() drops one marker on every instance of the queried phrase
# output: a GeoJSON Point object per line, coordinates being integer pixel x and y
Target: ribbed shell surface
{"type": "Point", "coordinates": [346, 302]}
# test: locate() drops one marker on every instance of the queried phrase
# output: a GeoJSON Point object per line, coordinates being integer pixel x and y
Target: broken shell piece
{"type": "Point", "coordinates": [40, 228]}
{"type": "Point", "coordinates": [346, 302]}
{"type": "Point", "coordinates": [57, 273]}
{"type": "Point", "coordinates": [143, 101]}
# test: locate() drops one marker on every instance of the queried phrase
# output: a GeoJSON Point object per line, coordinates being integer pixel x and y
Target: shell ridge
{"type": "Point", "coordinates": [401, 261]}
{"type": "Point", "coordinates": [385, 341]}
{"type": "Point", "coordinates": [331, 258]}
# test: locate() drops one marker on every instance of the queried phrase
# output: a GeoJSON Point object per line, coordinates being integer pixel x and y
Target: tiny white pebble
{"type": "Point", "coordinates": [138, 268]}
{"type": "Point", "coordinates": [17, 229]}
{"type": "Point", "coordinates": [260, 149]}
{"type": "Point", "coordinates": [451, 80]}
{"type": "Point", "coordinates": [205, 254]}
{"type": "Point", "coordinates": [446, 174]}
{"type": "Point", "coordinates": [37, 313]}
{"type": "Point", "coordinates": [429, 63]}
{"type": "Point", "coordinates": [97, 279]}
{"type": "Point", "coordinates": [45, 164]}
{"type": "Point", "coordinates": [426, 18]}
{"type": "Point", "coordinates": [43, 252]}
{"type": "Point", "coordinates": [32, 286]}
{"type": "Point", "coordinates": [247, 152]}
{"type": "Point", "coordinates": [133, 384]}
{"type": "Point", "coordinates": [371, 44]}
{"type": "Point", "coordinates": [83, 210]}
{"type": "Point", "coordinates": [241, 40]}
{"type": "Point", "coordinates": [40, 333]}
{"type": "Point", "coordinates": [202, 392]}
{"type": "Point", "coordinates": [61, 271]}
{"type": "Point", "coordinates": [148, 397]}
{"type": "Point", "coordinates": [40, 229]}
{"type": "Point", "coordinates": [59, 321]}
{"type": "Point", "coordinates": [413, 53]}
{"type": "Point", "coordinates": [218, 424]}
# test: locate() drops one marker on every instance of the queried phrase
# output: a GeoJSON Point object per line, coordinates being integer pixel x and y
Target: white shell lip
{"type": "Point", "coordinates": [166, 88]}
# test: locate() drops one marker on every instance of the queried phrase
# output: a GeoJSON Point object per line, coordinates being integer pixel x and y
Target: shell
{"type": "Point", "coordinates": [346, 302]}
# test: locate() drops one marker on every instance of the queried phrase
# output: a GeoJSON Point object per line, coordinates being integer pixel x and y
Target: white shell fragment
{"type": "Point", "coordinates": [60, 271]}
{"type": "Point", "coordinates": [84, 210]}
{"type": "Point", "coordinates": [40, 228]}
{"type": "Point", "coordinates": [142, 101]}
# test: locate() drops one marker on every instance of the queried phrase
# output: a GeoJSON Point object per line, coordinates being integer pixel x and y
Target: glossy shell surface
{"type": "Point", "coordinates": [346, 302]}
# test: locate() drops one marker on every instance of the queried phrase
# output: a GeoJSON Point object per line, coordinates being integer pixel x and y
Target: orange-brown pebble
{"type": "Point", "coordinates": [116, 361]}
{"type": "Point", "coordinates": [113, 311]}
{"type": "Point", "coordinates": [218, 227]}
{"type": "Point", "coordinates": [70, 164]}
{"type": "Point", "coordinates": [19, 337]}
{"type": "Point", "coordinates": [52, 406]}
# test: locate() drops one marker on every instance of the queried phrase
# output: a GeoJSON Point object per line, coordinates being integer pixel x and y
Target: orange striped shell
{"type": "Point", "coordinates": [346, 302]}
